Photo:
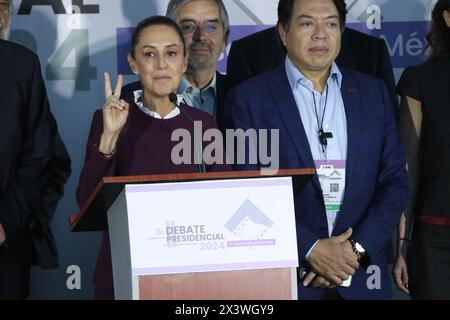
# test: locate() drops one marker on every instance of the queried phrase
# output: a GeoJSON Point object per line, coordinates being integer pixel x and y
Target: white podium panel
{"type": "Point", "coordinates": [210, 226]}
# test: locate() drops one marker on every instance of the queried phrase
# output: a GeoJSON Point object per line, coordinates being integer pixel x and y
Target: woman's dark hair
{"type": "Point", "coordinates": [439, 35]}
{"type": "Point", "coordinates": [155, 21]}
{"type": "Point", "coordinates": [285, 8]}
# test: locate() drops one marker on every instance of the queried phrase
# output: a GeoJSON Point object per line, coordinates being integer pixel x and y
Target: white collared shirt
{"type": "Point", "coordinates": [330, 108]}
{"type": "Point", "coordinates": [172, 114]}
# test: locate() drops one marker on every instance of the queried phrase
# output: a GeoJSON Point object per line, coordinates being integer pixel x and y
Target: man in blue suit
{"type": "Point", "coordinates": [340, 122]}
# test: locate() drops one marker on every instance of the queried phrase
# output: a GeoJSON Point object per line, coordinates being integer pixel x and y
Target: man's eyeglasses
{"type": "Point", "coordinates": [189, 27]}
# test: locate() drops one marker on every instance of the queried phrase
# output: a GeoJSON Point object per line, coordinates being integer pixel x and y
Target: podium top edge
{"type": "Point", "coordinates": [117, 183]}
{"type": "Point", "coordinates": [207, 176]}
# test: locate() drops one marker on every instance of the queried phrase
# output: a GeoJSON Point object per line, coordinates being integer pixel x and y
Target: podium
{"type": "Point", "coordinates": [199, 236]}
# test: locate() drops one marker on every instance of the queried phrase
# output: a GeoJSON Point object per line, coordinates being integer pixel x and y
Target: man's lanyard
{"type": "Point", "coordinates": [323, 136]}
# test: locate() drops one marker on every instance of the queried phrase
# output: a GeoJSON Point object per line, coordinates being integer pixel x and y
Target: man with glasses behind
{"type": "Point", "coordinates": [205, 27]}
{"type": "Point", "coordinates": [5, 12]}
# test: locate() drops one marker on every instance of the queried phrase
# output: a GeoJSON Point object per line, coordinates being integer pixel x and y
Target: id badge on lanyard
{"type": "Point", "coordinates": [331, 174]}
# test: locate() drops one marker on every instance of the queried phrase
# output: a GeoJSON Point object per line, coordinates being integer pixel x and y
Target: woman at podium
{"type": "Point", "coordinates": [135, 137]}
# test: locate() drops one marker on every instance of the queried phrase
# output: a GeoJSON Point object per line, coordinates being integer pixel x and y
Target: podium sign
{"type": "Point", "coordinates": [207, 226]}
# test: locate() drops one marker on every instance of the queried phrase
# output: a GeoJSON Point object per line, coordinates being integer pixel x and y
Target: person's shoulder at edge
{"type": "Point", "coordinates": [356, 35]}
{"type": "Point", "coordinates": [429, 66]}
{"type": "Point", "coordinates": [256, 37]}
{"type": "Point", "coordinates": [409, 72]}
{"type": "Point", "coordinates": [255, 82]}
{"type": "Point", "coordinates": [365, 85]}
{"type": "Point", "coordinates": [353, 75]}
{"type": "Point", "coordinates": [423, 74]}
{"type": "Point", "coordinates": [17, 52]}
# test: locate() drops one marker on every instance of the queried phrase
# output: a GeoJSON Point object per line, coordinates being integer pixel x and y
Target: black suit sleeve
{"type": "Point", "coordinates": [409, 84]}
{"type": "Point", "coordinates": [238, 66]}
{"type": "Point", "coordinates": [22, 196]}
{"type": "Point", "coordinates": [384, 72]}
{"type": "Point", "coordinates": [60, 170]}
{"type": "Point", "coordinates": [44, 247]}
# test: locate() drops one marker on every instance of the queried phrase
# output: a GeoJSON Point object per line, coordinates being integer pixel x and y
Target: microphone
{"type": "Point", "coordinates": [323, 136]}
{"type": "Point", "coordinates": [174, 99]}
{"type": "Point", "coordinates": [198, 148]}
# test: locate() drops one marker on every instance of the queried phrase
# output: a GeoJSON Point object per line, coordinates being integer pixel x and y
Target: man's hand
{"type": "Point", "coordinates": [332, 259]}
{"type": "Point", "coordinates": [2, 235]}
{"type": "Point", "coordinates": [317, 281]}
{"type": "Point", "coordinates": [347, 246]}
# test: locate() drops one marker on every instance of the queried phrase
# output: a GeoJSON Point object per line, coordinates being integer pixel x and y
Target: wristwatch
{"type": "Point", "coordinates": [358, 249]}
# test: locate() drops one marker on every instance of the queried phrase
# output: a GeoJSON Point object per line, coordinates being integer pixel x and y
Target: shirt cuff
{"type": "Point", "coordinates": [309, 251]}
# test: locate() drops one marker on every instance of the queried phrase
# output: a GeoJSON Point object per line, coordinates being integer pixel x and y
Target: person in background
{"type": "Point", "coordinates": [134, 137]}
{"type": "Point", "coordinates": [5, 14]}
{"type": "Point", "coordinates": [424, 229]}
{"type": "Point", "coordinates": [205, 27]}
{"type": "Point", "coordinates": [34, 166]}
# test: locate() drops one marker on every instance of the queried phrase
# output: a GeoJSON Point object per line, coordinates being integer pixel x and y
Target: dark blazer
{"type": "Point", "coordinates": [222, 87]}
{"type": "Point", "coordinates": [32, 173]}
{"type": "Point", "coordinates": [263, 51]}
{"type": "Point", "coordinates": [376, 182]}
{"type": "Point", "coordinates": [45, 252]}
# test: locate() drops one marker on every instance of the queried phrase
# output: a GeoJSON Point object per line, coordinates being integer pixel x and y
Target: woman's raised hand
{"type": "Point", "coordinates": [115, 114]}
{"type": "Point", "coordinates": [115, 110]}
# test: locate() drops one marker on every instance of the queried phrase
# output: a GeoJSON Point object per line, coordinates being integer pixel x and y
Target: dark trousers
{"type": "Point", "coordinates": [103, 277]}
{"type": "Point", "coordinates": [104, 292]}
{"type": "Point", "coordinates": [332, 294]}
{"type": "Point", "coordinates": [429, 262]}
{"type": "Point", "coordinates": [15, 264]}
